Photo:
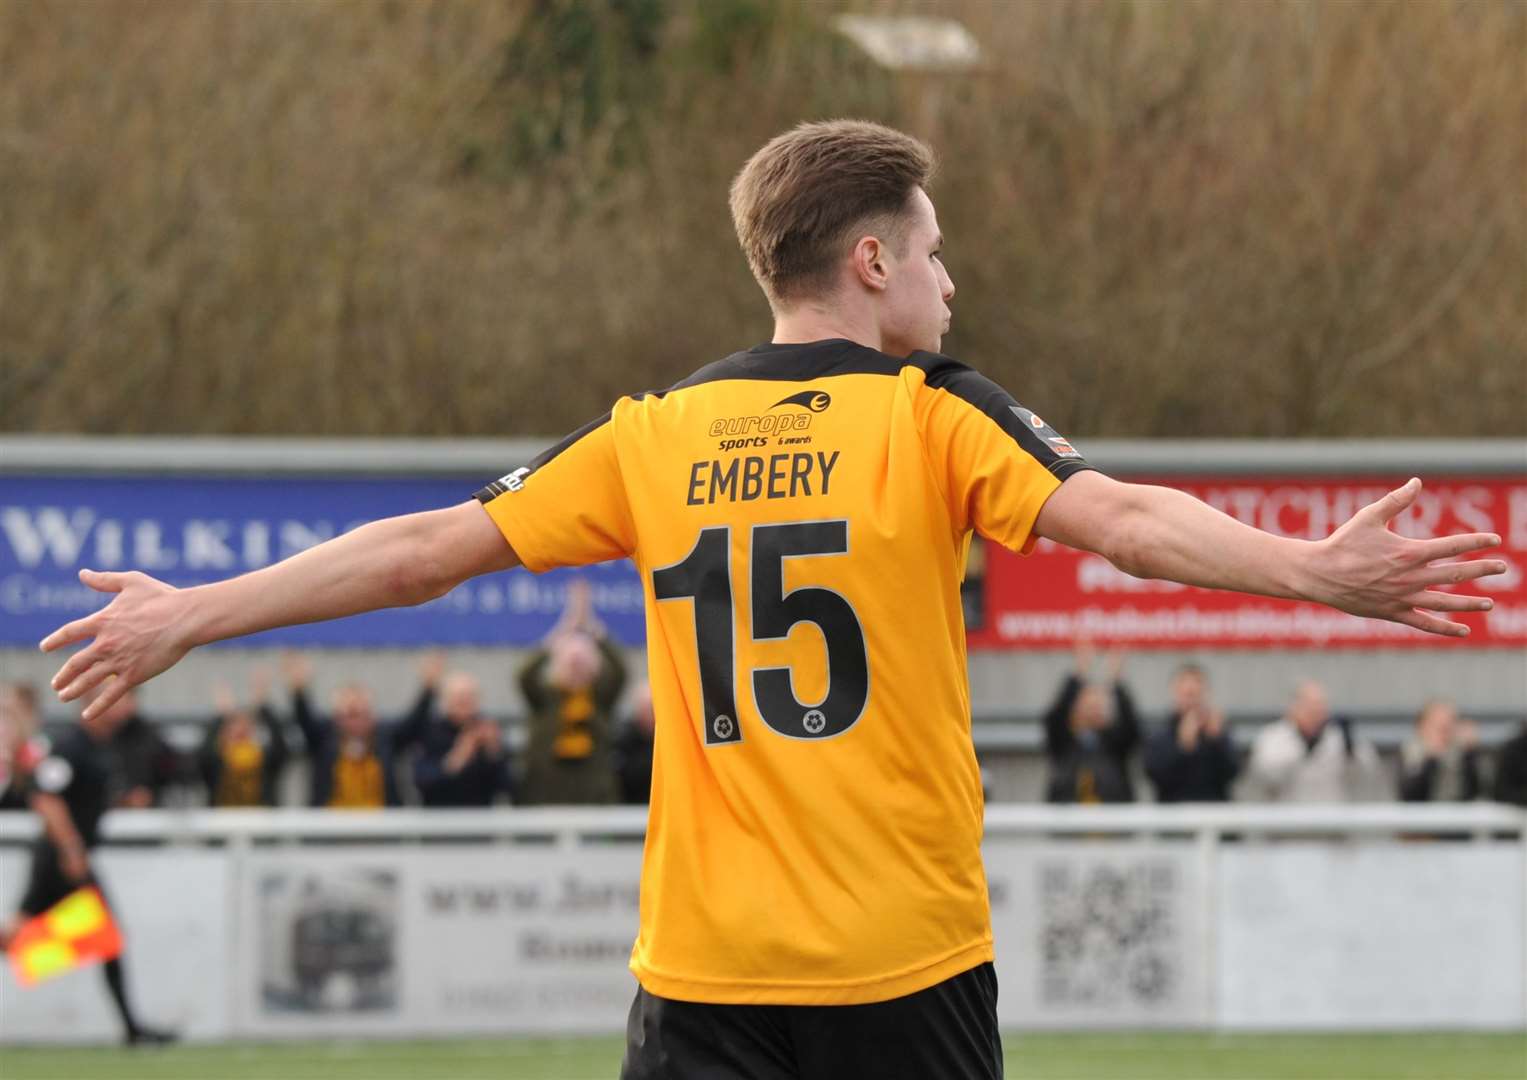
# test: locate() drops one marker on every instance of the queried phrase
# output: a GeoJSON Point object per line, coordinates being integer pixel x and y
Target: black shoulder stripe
{"type": "Point", "coordinates": [795, 363]}
{"type": "Point", "coordinates": [511, 481]}
{"type": "Point", "coordinates": [1036, 438]}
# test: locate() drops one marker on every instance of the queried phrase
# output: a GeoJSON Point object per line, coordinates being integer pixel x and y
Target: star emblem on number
{"type": "Point", "coordinates": [815, 721]}
{"type": "Point", "coordinates": [722, 726]}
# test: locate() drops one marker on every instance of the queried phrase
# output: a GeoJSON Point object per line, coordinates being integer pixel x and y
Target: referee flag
{"type": "Point", "coordinates": [76, 931]}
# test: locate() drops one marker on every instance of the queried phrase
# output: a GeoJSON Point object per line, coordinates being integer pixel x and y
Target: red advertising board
{"type": "Point", "coordinates": [1052, 597]}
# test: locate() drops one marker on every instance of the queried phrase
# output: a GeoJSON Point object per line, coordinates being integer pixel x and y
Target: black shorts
{"type": "Point", "coordinates": [946, 1032]}
{"type": "Point", "coordinates": [46, 883]}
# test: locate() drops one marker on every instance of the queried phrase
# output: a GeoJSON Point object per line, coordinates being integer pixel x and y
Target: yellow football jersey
{"type": "Point", "coordinates": [799, 516]}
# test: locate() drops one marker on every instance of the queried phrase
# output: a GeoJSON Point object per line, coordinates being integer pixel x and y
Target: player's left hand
{"type": "Point", "coordinates": [1366, 569]}
{"type": "Point", "coordinates": [141, 633]}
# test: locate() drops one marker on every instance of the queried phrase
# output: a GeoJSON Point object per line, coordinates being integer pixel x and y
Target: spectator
{"type": "Point", "coordinates": [351, 755]}
{"type": "Point", "coordinates": [571, 685]}
{"type": "Point", "coordinates": [241, 759]}
{"type": "Point", "coordinates": [1309, 757]}
{"type": "Point", "coordinates": [1511, 769]}
{"type": "Point", "coordinates": [1191, 758]}
{"type": "Point", "coordinates": [633, 749]}
{"type": "Point", "coordinates": [143, 765]}
{"type": "Point", "coordinates": [1440, 763]}
{"type": "Point", "coordinates": [21, 744]}
{"type": "Point", "coordinates": [461, 759]}
{"type": "Point", "coordinates": [1088, 748]}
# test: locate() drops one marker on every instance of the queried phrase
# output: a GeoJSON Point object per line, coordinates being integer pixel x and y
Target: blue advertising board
{"type": "Point", "coordinates": [189, 530]}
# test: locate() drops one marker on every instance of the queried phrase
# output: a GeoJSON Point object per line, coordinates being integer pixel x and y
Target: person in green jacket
{"type": "Point", "coordinates": [571, 684]}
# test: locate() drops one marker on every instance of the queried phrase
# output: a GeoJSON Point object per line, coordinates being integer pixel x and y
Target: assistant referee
{"type": "Point", "coordinates": [69, 791]}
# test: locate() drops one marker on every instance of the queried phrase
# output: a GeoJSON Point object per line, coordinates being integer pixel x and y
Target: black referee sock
{"type": "Point", "coordinates": [117, 984]}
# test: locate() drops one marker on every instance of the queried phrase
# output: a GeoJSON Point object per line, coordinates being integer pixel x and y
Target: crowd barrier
{"type": "Point", "coordinates": [303, 924]}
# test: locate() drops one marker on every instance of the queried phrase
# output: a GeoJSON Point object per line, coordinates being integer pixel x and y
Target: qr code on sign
{"type": "Point", "coordinates": [1109, 933]}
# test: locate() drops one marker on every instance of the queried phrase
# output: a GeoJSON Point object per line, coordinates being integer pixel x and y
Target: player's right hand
{"type": "Point", "coordinates": [141, 633]}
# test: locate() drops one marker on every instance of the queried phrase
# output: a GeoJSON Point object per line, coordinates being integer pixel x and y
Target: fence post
{"type": "Point", "coordinates": [238, 849]}
{"type": "Point", "coordinates": [1522, 923]}
{"type": "Point", "coordinates": [1207, 842]}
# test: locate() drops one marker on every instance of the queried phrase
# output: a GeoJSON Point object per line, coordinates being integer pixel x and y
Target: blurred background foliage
{"type": "Point", "coordinates": [452, 217]}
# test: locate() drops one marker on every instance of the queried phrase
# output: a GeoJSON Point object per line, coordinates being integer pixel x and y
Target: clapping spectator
{"type": "Point", "coordinates": [1440, 762]}
{"type": "Point", "coordinates": [21, 745]}
{"type": "Point", "coordinates": [1191, 758]}
{"type": "Point", "coordinates": [351, 754]}
{"type": "Point", "coordinates": [143, 765]}
{"type": "Point", "coordinates": [571, 685]}
{"type": "Point", "coordinates": [245, 750]}
{"type": "Point", "coordinates": [1310, 757]}
{"type": "Point", "coordinates": [462, 761]}
{"type": "Point", "coordinates": [633, 749]}
{"type": "Point", "coordinates": [1090, 732]}
{"type": "Point", "coordinates": [1511, 769]}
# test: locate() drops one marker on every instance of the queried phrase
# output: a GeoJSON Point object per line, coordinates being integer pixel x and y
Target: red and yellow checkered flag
{"type": "Point", "coordinates": [76, 931]}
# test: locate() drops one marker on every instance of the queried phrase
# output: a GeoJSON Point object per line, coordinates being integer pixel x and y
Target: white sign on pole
{"type": "Point", "coordinates": [1424, 934]}
{"type": "Point", "coordinates": [504, 938]}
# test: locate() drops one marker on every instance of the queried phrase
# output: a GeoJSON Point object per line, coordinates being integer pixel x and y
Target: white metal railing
{"type": "Point", "coordinates": [572, 824]}
{"type": "Point", "coordinates": [580, 836]}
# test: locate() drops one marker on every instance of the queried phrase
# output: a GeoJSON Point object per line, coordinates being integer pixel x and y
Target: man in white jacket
{"type": "Point", "coordinates": [1309, 757]}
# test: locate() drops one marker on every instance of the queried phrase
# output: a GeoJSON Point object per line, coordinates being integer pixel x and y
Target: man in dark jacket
{"type": "Point", "coordinates": [352, 756]}
{"type": "Point", "coordinates": [462, 760]}
{"type": "Point", "coordinates": [1440, 762]}
{"type": "Point", "coordinates": [1191, 758]}
{"type": "Point", "coordinates": [1088, 748]}
{"type": "Point", "coordinates": [633, 749]}
{"type": "Point", "coordinates": [1511, 769]}
{"type": "Point", "coordinates": [143, 765]}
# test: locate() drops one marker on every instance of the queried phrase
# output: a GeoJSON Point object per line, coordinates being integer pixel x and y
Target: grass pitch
{"type": "Point", "coordinates": [1029, 1057]}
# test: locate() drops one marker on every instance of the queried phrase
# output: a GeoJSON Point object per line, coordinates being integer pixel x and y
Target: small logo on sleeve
{"type": "Point", "coordinates": [1030, 418]}
{"type": "Point", "coordinates": [515, 480]}
{"type": "Point", "coordinates": [53, 775]}
{"type": "Point", "coordinates": [1062, 447]}
{"type": "Point", "coordinates": [506, 483]}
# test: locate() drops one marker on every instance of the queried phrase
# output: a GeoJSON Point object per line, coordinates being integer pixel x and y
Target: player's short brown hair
{"type": "Point", "coordinates": [796, 200]}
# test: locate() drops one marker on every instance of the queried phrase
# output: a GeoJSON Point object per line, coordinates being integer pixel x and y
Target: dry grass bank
{"type": "Point", "coordinates": [455, 217]}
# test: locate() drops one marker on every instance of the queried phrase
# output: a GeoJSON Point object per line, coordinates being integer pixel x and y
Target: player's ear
{"type": "Point", "coordinates": [870, 263]}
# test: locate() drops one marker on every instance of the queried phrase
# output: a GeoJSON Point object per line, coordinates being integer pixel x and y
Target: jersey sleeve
{"type": "Point", "coordinates": [997, 461]}
{"type": "Point", "coordinates": [57, 772]}
{"type": "Point", "coordinates": [568, 507]}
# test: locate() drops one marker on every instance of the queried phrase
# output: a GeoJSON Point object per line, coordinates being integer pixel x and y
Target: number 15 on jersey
{"type": "Point", "coordinates": [704, 576]}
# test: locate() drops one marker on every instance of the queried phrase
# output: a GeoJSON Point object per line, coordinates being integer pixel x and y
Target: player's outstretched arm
{"type": "Point", "coordinates": [1362, 568]}
{"type": "Point", "coordinates": [150, 625]}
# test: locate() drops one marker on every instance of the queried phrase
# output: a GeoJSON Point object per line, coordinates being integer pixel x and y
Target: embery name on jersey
{"type": "Point", "coordinates": [743, 479]}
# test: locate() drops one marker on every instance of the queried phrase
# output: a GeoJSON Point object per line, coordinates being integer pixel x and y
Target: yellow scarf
{"type": "Point", "coordinates": [358, 783]}
{"type": "Point", "coordinates": [239, 782]}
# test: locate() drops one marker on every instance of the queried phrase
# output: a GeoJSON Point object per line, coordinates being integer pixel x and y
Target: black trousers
{"type": "Point", "coordinates": [946, 1032]}
{"type": "Point", "coordinates": [46, 883]}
